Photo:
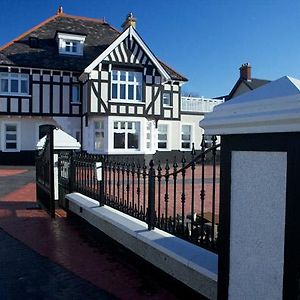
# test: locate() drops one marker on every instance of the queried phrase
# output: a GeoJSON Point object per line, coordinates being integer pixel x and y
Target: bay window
{"type": "Point", "coordinates": [126, 85]}
{"type": "Point", "coordinates": [14, 83]}
{"type": "Point", "coordinates": [126, 135]}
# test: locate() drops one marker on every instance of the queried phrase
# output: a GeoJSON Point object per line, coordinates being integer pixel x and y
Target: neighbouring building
{"type": "Point", "coordinates": [104, 87]}
{"type": "Point", "coordinates": [245, 83]}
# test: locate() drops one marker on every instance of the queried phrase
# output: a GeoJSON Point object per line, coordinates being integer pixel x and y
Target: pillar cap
{"type": "Point", "coordinates": [274, 107]}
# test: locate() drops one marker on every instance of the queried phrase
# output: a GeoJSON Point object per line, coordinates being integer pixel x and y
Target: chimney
{"type": "Point", "coordinates": [130, 21]}
{"type": "Point", "coordinates": [60, 10]}
{"type": "Point", "coordinates": [245, 72]}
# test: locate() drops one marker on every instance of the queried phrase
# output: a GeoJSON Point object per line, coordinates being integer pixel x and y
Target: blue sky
{"type": "Point", "coordinates": [205, 40]}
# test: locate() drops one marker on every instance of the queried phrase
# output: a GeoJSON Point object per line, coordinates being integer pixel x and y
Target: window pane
{"type": "Point", "coordinates": [115, 75]}
{"type": "Point", "coordinates": [123, 76]}
{"type": "Point", "coordinates": [115, 125]}
{"type": "Point", "coordinates": [185, 137]}
{"type": "Point", "coordinates": [14, 86]}
{"type": "Point", "coordinates": [162, 128]}
{"type": "Point", "coordinates": [138, 77]}
{"type": "Point", "coordinates": [75, 93]}
{"type": "Point", "coordinates": [133, 140]}
{"type": "Point", "coordinates": [11, 145]}
{"type": "Point", "coordinates": [99, 140]}
{"type": "Point", "coordinates": [130, 76]}
{"type": "Point", "coordinates": [101, 125]}
{"type": "Point", "coordinates": [74, 47]}
{"type": "Point", "coordinates": [24, 86]}
{"type": "Point", "coordinates": [11, 127]}
{"type": "Point", "coordinates": [114, 93]}
{"type": "Point", "coordinates": [139, 92]}
{"type": "Point", "coordinates": [167, 99]}
{"type": "Point", "coordinates": [119, 140]}
{"type": "Point", "coordinates": [11, 137]}
{"type": "Point", "coordinates": [4, 85]}
{"type": "Point", "coordinates": [186, 129]}
{"type": "Point", "coordinates": [129, 125]}
{"type": "Point", "coordinates": [123, 125]}
{"type": "Point", "coordinates": [130, 92]}
{"type": "Point", "coordinates": [122, 91]}
{"type": "Point", "coordinates": [186, 145]}
{"type": "Point", "coordinates": [162, 145]}
{"type": "Point", "coordinates": [162, 136]}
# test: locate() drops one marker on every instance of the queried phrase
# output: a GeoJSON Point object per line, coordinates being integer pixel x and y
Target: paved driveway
{"type": "Point", "coordinates": [42, 248]}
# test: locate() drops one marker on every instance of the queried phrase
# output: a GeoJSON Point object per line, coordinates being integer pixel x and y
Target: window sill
{"type": "Point", "coordinates": [14, 95]}
{"type": "Point", "coordinates": [11, 150]}
{"type": "Point", "coordinates": [167, 106]}
{"type": "Point", "coordinates": [126, 101]}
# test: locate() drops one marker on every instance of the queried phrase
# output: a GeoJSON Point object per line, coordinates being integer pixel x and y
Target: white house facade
{"type": "Point", "coordinates": [104, 87]}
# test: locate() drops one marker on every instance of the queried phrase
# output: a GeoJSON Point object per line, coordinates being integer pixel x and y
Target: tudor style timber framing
{"type": "Point", "coordinates": [129, 53]}
{"type": "Point", "coordinates": [49, 94]}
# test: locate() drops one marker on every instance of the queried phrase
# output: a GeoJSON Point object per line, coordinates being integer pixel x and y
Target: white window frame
{"type": "Point", "coordinates": [126, 131]}
{"type": "Point", "coordinates": [100, 130]}
{"type": "Point", "coordinates": [72, 39]}
{"type": "Point", "coordinates": [14, 76]}
{"type": "Point", "coordinates": [135, 83]}
{"type": "Point", "coordinates": [163, 141]}
{"type": "Point", "coordinates": [191, 136]}
{"type": "Point", "coordinates": [18, 136]}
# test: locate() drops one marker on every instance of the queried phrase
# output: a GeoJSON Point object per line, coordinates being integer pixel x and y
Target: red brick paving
{"type": "Point", "coordinates": [65, 245]}
{"type": "Point", "coordinates": [4, 173]}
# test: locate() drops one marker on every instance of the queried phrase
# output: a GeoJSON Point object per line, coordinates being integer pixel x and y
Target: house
{"type": "Point", "coordinates": [245, 82]}
{"type": "Point", "coordinates": [104, 87]}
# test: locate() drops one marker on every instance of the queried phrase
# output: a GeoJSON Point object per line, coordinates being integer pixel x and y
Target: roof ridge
{"type": "Point", "coordinates": [29, 31]}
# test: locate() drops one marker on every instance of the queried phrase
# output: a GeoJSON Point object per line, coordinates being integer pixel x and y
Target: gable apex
{"type": "Point", "coordinates": [131, 33]}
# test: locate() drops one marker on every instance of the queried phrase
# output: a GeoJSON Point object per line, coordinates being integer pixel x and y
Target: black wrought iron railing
{"type": "Point", "coordinates": [181, 198]}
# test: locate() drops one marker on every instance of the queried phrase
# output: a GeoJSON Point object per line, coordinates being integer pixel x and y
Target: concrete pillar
{"type": "Point", "coordinates": [260, 199]}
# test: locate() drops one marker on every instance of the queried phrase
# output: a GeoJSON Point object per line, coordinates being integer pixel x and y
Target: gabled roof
{"type": "Point", "coordinates": [252, 84]}
{"type": "Point", "coordinates": [99, 36]}
{"type": "Point", "coordinates": [130, 31]}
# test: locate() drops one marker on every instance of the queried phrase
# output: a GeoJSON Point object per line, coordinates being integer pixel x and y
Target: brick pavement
{"type": "Point", "coordinates": [25, 274]}
{"type": "Point", "coordinates": [99, 260]}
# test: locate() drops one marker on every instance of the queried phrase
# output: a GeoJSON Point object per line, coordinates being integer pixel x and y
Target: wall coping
{"type": "Point", "coordinates": [195, 266]}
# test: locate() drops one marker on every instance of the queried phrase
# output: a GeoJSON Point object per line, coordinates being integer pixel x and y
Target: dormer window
{"type": "Point", "coordinates": [70, 44]}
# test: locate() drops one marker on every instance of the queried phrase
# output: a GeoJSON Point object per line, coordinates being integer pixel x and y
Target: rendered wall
{"type": "Point", "coordinates": [257, 229]}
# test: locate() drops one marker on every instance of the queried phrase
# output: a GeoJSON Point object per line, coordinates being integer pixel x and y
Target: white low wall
{"type": "Point", "coordinates": [192, 265]}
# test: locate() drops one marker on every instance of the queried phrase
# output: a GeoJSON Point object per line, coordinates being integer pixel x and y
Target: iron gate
{"type": "Point", "coordinates": [44, 163]}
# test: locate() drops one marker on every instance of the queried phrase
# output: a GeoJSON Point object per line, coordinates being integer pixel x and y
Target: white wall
{"type": "Point", "coordinates": [28, 129]}
{"type": "Point", "coordinates": [258, 197]}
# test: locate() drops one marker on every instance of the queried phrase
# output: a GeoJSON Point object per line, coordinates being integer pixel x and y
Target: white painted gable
{"type": "Point", "coordinates": [274, 107]}
{"type": "Point", "coordinates": [62, 141]}
{"type": "Point", "coordinates": [131, 33]}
